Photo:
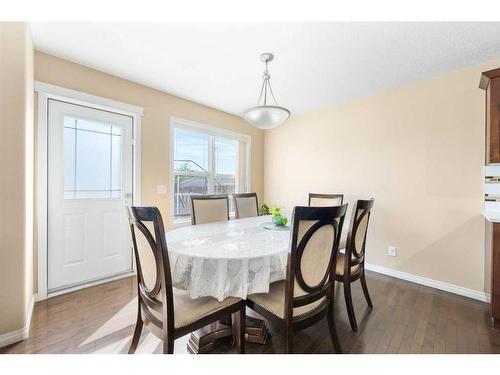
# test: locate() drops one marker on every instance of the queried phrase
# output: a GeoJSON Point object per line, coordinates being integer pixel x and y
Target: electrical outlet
{"type": "Point", "coordinates": [392, 251]}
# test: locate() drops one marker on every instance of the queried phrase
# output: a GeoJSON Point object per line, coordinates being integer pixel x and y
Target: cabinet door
{"type": "Point", "coordinates": [493, 122]}
{"type": "Point", "coordinates": [495, 277]}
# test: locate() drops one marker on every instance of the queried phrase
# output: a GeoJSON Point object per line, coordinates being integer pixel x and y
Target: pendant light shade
{"type": "Point", "coordinates": [264, 116]}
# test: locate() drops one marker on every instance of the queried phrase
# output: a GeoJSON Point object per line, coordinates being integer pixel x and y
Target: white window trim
{"type": "Point", "coordinates": [45, 92]}
{"type": "Point", "coordinates": [176, 122]}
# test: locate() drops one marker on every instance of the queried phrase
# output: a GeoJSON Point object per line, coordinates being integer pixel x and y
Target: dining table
{"type": "Point", "coordinates": [233, 258]}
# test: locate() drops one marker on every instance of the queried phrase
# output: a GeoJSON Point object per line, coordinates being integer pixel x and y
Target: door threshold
{"type": "Point", "coordinates": [73, 288]}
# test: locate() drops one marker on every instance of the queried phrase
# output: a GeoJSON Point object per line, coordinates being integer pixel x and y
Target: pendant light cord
{"type": "Point", "coordinates": [271, 91]}
{"type": "Point", "coordinates": [263, 89]}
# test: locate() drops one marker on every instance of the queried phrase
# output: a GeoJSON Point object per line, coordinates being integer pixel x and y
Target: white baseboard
{"type": "Point", "coordinates": [470, 293]}
{"type": "Point", "coordinates": [21, 333]}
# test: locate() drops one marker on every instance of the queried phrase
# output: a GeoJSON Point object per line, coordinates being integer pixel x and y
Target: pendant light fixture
{"type": "Point", "coordinates": [264, 116]}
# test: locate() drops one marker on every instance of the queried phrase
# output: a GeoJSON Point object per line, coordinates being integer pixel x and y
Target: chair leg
{"type": "Point", "coordinates": [239, 329]}
{"type": "Point", "coordinates": [333, 331]}
{"type": "Point", "coordinates": [365, 290]}
{"type": "Point", "coordinates": [137, 335]}
{"type": "Point", "coordinates": [289, 340]}
{"type": "Point", "coordinates": [168, 346]}
{"type": "Point", "coordinates": [350, 307]}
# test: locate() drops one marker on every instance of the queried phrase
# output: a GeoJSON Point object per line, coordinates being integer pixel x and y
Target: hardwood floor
{"type": "Point", "coordinates": [406, 318]}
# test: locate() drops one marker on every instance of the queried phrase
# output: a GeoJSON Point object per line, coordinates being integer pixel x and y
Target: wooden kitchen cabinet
{"type": "Point", "coordinates": [492, 271]}
{"type": "Point", "coordinates": [490, 81]}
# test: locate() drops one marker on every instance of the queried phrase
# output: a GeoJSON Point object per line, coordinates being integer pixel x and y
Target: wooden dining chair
{"type": "Point", "coordinates": [246, 205]}
{"type": "Point", "coordinates": [168, 312]}
{"type": "Point", "coordinates": [209, 208]}
{"type": "Point", "coordinates": [351, 264]}
{"type": "Point", "coordinates": [306, 296]}
{"type": "Point", "coordinates": [325, 200]}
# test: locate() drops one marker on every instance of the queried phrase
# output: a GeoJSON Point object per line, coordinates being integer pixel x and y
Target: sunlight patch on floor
{"type": "Point", "coordinates": [148, 345]}
{"type": "Point", "coordinates": [116, 347]}
{"type": "Point", "coordinates": [124, 318]}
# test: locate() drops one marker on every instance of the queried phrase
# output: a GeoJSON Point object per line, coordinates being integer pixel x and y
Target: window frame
{"type": "Point", "coordinates": [178, 123]}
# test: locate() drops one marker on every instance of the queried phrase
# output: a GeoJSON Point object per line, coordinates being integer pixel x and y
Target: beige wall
{"type": "Point", "coordinates": [16, 164]}
{"type": "Point", "coordinates": [158, 107]}
{"type": "Point", "coordinates": [418, 150]}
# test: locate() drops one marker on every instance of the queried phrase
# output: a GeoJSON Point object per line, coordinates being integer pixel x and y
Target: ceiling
{"type": "Point", "coordinates": [315, 65]}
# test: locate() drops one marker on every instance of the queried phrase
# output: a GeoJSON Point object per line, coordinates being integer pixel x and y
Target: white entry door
{"type": "Point", "coordinates": [89, 180]}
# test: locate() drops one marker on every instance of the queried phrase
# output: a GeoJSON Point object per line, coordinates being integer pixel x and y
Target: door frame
{"type": "Point", "coordinates": [46, 92]}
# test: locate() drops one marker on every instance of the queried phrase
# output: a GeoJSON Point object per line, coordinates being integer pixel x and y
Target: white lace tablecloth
{"type": "Point", "coordinates": [227, 259]}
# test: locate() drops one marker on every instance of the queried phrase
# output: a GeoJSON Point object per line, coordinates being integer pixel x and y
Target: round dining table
{"type": "Point", "coordinates": [233, 258]}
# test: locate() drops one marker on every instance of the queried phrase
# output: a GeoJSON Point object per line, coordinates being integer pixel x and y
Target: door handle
{"type": "Point", "coordinates": [127, 199]}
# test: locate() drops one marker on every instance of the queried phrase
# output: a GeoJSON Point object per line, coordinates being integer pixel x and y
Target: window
{"type": "Point", "coordinates": [92, 159]}
{"type": "Point", "coordinates": [206, 160]}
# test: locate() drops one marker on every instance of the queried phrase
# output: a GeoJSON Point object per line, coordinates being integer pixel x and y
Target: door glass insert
{"type": "Point", "coordinates": [92, 159]}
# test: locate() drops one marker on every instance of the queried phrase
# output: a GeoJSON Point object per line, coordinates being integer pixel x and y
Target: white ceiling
{"type": "Point", "coordinates": [316, 64]}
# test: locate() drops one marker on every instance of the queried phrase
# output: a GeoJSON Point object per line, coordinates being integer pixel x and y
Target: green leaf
{"type": "Point", "coordinates": [264, 210]}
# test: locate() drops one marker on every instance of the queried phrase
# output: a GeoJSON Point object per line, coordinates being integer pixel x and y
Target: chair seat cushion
{"type": "Point", "coordinates": [187, 310]}
{"type": "Point", "coordinates": [274, 301]}
{"type": "Point", "coordinates": [340, 266]}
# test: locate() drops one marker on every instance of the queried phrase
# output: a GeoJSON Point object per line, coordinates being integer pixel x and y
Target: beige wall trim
{"type": "Point", "coordinates": [45, 92]}
{"type": "Point", "coordinates": [461, 291]}
{"type": "Point", "coordinates": [21, 333]}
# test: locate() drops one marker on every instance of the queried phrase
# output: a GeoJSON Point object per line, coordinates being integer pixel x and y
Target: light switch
{"type": "Point", "coordinates": [392, 251]}
{"type": "Point", "coordinates": [161, 189]}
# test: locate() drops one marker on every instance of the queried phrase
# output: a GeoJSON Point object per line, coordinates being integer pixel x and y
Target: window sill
{"type": "Point", "coordinates": [179, 223]}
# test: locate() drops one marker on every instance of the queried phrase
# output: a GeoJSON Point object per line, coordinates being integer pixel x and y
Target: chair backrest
{"type": "Point", "coordinates": [312, 260]}
{"type": "Point", "coordinates": [153, 268]}
{"type": "Point", "coordinates": [209, 208]}
{"type": "Point", "coordinates": [246, 205]}
{"type": "Point", "coordinates": [325, 200]}
{"type": "Point", "coordinates": [356, 239]}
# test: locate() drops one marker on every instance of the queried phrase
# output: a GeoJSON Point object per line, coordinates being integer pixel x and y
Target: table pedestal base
{"type": "Point", "coordinates": [205, 339]}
